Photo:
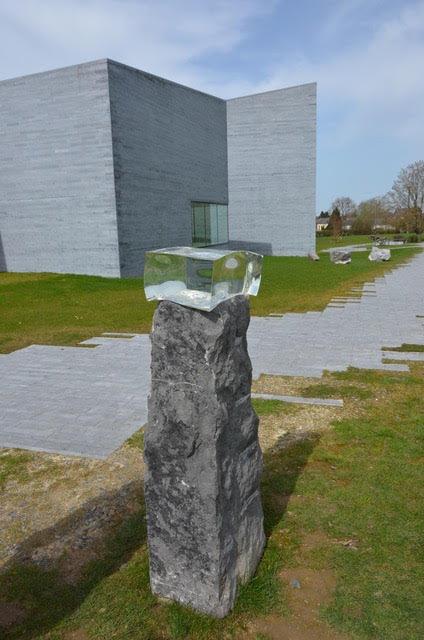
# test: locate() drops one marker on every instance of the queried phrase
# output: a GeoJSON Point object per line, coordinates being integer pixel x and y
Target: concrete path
{"type": "Point", "coordinates": [87, 401]}
{"type": "Point", "coordinates": [349, 332]}
{"type": "Point", "coordinates": [326, 402]}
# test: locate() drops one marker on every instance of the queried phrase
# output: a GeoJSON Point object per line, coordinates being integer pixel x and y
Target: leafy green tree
{"type": "Point", "coordinates": [364, 221]}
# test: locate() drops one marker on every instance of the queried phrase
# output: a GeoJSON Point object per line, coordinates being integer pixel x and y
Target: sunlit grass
{"type": "Point", "coordinates": [360, 484]}
{"type": "Point", "coordinates": [325, 242]}
{"type": "Point", "coordinates": [66, 309]}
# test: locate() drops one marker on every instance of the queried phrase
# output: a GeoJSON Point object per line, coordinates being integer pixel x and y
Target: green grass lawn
{"type": "Point", "coordinates": [355, 491]}
{"type": "Point", "coordinates": [325, 242]}
{"type": "Point", "coordinates": [66, 309]}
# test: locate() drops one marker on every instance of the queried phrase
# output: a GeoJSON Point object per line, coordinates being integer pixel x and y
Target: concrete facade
{"type": "Point", "coordinates": [271, 170]}
{"type": "Point", "coordinates": [169, 148]}
{"type": "Point", "coordinates": [100, 161]}
{"type": "Point", "coordinates": [57, 196]}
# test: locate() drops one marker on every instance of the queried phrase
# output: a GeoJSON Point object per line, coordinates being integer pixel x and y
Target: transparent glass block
{"type": "Point", "coordinates": [200, 278]}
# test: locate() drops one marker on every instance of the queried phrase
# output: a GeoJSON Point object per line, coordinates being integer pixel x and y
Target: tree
{"type": "Point", "coordinates": [324, 214]}
{"type": "Point", "coordinates": [344, 205]}
{"type": "Point", "coordinates": [372, 214]}
{"type": "Point", "coordinates": [335, 223]}
{"type": "Point", "coordinates": [407, 196]}
{"type": "Point", "coordinates": [366, 218]}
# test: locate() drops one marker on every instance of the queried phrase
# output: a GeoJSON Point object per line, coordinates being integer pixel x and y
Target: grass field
{"type": "Point", "coordinates": [325, 242]}
{"type": "Point", "coordinates": [66, 309]}
{"type": "Point", "coordinates": [342, 490]}
{"type": "Point", "coordinates": [343, 516]}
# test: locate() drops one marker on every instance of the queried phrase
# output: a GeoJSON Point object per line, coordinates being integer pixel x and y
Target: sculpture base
{"type": "Point", "coordinates": [203, 459]}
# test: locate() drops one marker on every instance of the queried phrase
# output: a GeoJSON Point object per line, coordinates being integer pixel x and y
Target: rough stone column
{"type": "Point", "coordinates": [203, 459]}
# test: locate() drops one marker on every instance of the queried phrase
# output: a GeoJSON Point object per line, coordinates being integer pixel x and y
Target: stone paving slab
{"type": "Point", "coordinates": [74, 400]}
{"type": "Point", "coordinates": [87, 401]}
{"type": "Point", "coordinates": [327, 402]}
{"type": "Point", "coordinates": [415, 356]}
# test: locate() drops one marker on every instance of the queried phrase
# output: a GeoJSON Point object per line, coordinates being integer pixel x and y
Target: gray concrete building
{"type": "Point", "coordinates": [100, 161]}
{"type": "Point", "coordinates": [271, 170]}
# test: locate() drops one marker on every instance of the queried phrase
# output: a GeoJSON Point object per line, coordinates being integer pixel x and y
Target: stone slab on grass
{"type": "Point", "coordinates": [329, 402]}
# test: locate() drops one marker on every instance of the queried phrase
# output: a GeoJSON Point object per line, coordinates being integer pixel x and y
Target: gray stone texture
{"type": "Point", "coordinates": [340, 256]}
{"type": "Point", "coordinates": [99, 162]}
{"type": "Point", "coordinates": [379, 255]}
{"type": "Point", "coordinates": [313, 256]}
{"type": "Point", "coordinates": [57, 196]}
{"type": "Point", "coordinates": [271, 170]}
{"type": "Point", "coordinates": [169, 148]}
{"type": "Point", "coordinates": [203, 459]}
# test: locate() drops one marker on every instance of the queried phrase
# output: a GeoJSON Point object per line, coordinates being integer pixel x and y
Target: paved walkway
{"type": "Point", "coordinates": [86, 401]}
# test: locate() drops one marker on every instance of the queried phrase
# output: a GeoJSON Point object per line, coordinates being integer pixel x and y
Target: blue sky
{"type": "Point", "coordinates": [366, 55]}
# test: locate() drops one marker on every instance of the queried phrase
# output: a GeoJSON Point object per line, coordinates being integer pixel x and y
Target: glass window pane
{"type": "Point", "coordinates": [209, 223]}
{"type": "Point", "coordinates": [214, 223]}
{"type": "Point", "coordinates": [222, 223]}
{"type": "Point", "coordinates": [198, 219]}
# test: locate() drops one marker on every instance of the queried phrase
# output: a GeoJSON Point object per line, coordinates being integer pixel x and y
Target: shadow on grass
{"type": "Point", "coordinates": [283, 464]}
{"type": "Point", "coordinates": [48, 599]}
{"type": "Point", "coordinates": [48, 595]}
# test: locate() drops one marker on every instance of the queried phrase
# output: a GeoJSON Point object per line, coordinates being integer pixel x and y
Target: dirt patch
{"type": "Point", "coordinates": [78, 634]}
{"type": "Point", "coordinates": [282, 385]}
{"type": "Point", "coordinates": [11, 614]}
{"type": "Point", "coordinates": [281, 500]}
{"type": "Point", "coordinates": [308, 590]}
{"type": "Point", "coordinates": [72, 565]}
{"type": "Point", "coordinates": [315, 540]}
{"type": "Point", "coordinates": [295, 386]}
{"type": "Point", "coordinates": [61, 510]}
{"type": "Point", "coordinates": [307, 421]}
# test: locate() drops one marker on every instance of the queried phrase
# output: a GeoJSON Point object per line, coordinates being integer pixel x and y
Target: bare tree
{"type": "Point", "coordinates": [344, 205]}
{"type": "Point", "coordinates": [407, 196]}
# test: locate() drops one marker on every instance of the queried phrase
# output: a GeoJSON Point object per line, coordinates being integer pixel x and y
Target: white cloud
{"type": "Point", "coordinates": [373, 86]}
{"type": "Point", "coordinates": [366, 55]}
{"type": "Point", "coordinates": [161, 36]}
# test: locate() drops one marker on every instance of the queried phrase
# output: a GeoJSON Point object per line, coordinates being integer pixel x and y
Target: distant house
{"type": "Point", "coordinates": [348, 222]}
{"type": "Point", "coordinates": [384, 225]}
{"type": "Point", "coordinates": [321, 223]}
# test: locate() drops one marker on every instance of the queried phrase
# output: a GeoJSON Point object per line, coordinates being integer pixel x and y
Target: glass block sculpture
{"type": "Point", "coordinates": [200, 278]}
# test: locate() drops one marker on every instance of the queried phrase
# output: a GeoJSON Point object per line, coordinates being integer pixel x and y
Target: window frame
{"type": "Point", "coordinates": [208, 224]}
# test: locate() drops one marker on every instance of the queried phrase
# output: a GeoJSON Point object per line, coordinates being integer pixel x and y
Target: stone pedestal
{"type": "Point", "coordinates": [203, 460]}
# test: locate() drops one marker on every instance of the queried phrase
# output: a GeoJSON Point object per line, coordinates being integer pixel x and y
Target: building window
{"type": "Point", "coordinates": [209, 223]}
